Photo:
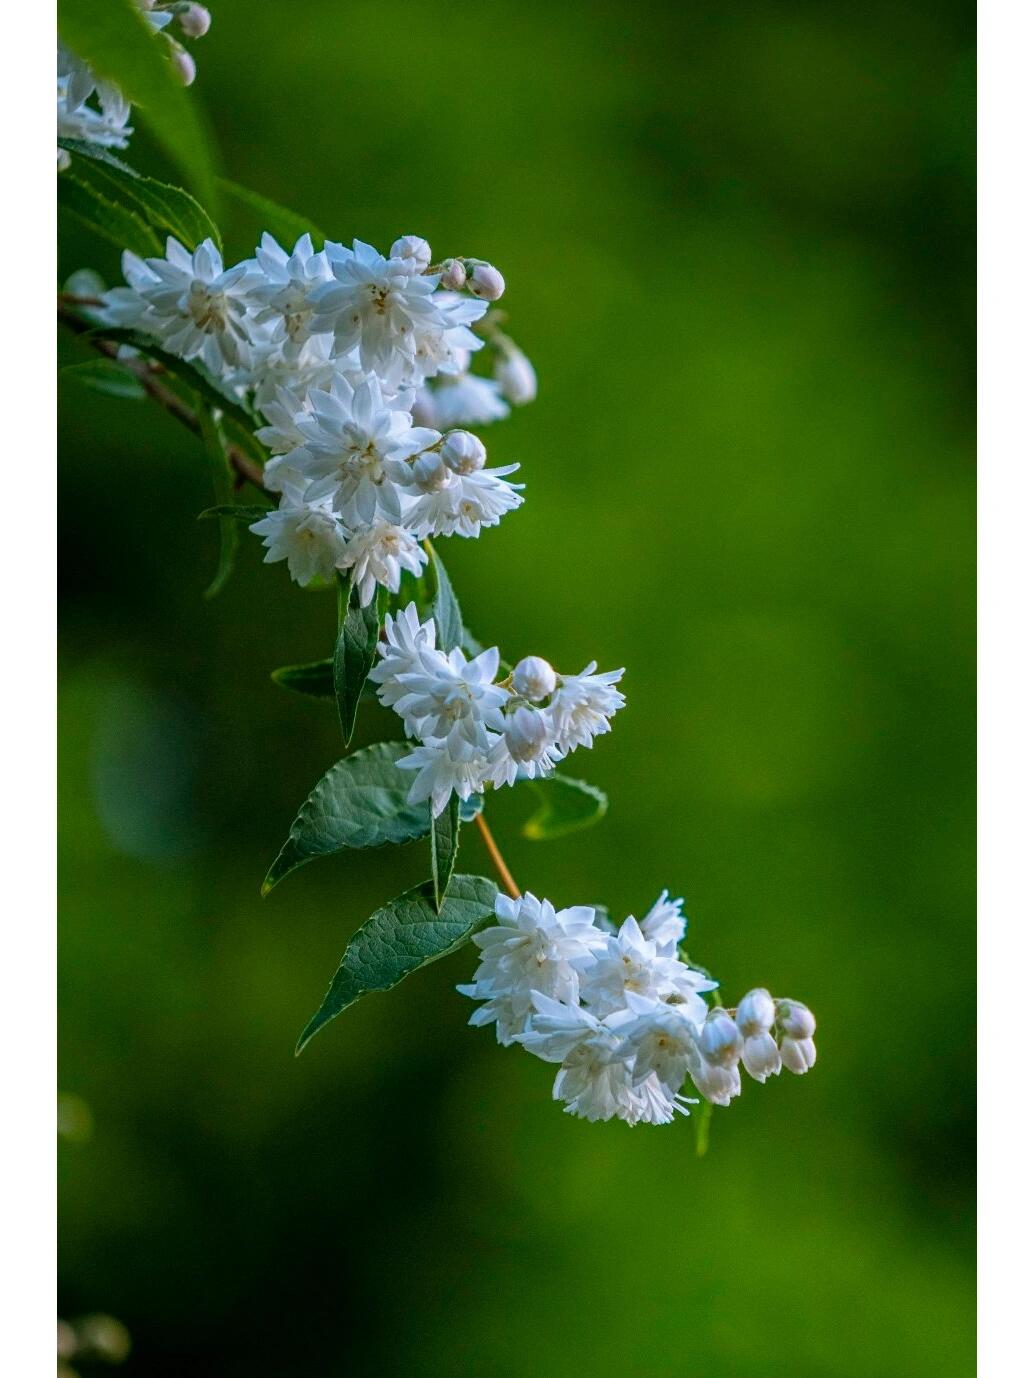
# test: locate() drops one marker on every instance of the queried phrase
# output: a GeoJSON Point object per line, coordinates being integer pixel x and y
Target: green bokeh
{"type": "Point", "coordinates": [738, 243]}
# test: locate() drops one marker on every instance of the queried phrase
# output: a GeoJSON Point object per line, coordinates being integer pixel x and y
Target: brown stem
{"type": "Point", "coordinates": [500, 865]}
{"type": "Point", "coordinates": [144, 372]}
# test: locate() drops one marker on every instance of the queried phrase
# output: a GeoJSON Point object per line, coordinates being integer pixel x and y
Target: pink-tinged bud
{"type": "Point", "coordinates": [453, 276]}
{"type": "Point", "coordinates": [463, 452]}
{"type": "Point", "coordinates": [796, 1019]}
{"type": "Point", "coordinates": [516, 377]}
{"type": "Point", "coordinates": [533, 678]}
{"type": "Point", "coordinates": [184, 66]}
{"type": "Point", "coordinates": [413, 251]}
{"type": "Point", "coordinates": [485, 282]}
{"type": "Point", "coordinates": [195, 21]}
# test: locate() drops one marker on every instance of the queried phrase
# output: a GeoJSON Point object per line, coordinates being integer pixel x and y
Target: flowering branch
{"type": "Point", "coordinates": [342, 382]}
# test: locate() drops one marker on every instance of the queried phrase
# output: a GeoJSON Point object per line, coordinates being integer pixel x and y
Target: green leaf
{"type": "Point", "coordinates": [355, 651]}
{"type": "Point", "coordinates": [567, 805]}
{"type": "Point", "coordinates": [315, 678]}
{"type": "Point", "coordinates": [400, 937]}
{"type": "Point", "coordinates": [238, 511]}
{"type": "Point", "coordinates": [222, 481]}
{"type": "Point", "coordinates": [286, 226]}
{"type": "Point", "coordinates": [447, 616]}
{"type": "Point", "coordinates": [164, 209]}
{"type": "Point", "coordinates": [104, 376]}
{"type": "Point", "coordinates": [192, 374]}
{"type": "Point", "coordinates": [445, 843]}
{"type": "Point", "coordinates": [360, 802]}
{"type": "Point", "coordinates": [115, 39]}
{"type": "Point", "coordinates": [121, 227]}
{"type": "Point", "coordinates": [702, 1124]}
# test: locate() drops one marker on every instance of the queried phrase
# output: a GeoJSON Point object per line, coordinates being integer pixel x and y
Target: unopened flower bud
{"type": "Point", "coordinates": [516, 377]}
{"type": "Point", "coordinates": [485, 282]}
{"type": "Point", "coordinates": [453, 276]}
{"type": "Point", "coordinates": [761, 1056]}
{"type": "Point", "coordinates": [716, 1083]}
{"type": "Point", "coordinates": [414, 252]}
{"type": "Point", "coordinates": [797, 1054]}
{"type": "Point", "coordinates": [720, 1041]}
{"type": "Point", "coordinates": [195, 21]}
{"type": "Point", "coordinates": [429, 473]}
{"type": "Point", "coordinates": [534, 678]}
{"type": "Point", "coordinates": [795, 1019]}
{"type": "Point", "coordinates": [184, 65]}
{"type": "Point", "coordinates": [463, 452]}
{"type": "Point", "coordinates": [756, 1012]}
{"type": "Point", "coordinates": [527, 732]}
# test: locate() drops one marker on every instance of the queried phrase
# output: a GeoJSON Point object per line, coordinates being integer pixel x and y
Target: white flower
{"type": "Point", "coordinates": [533, 678]}
{"type": "Point", "coordinates": [278, 284]}
{"type": "Point", "coordinates": [630, 962]}
{"type": "Point", "coordinates": [720, 1041]}
{"type": "Point", "coordinates": [592, 1079]}
{"type": "Point", "coordinates": [451, 698]}
{"type": "Point", "coordinates": [405, 636]}
{"type": "Point", "coordinates": [310, 539]}
{"type": "Point", "coordinates": [651, 1102]}
{"type": "Point", "coordinates": [466, 504]}
{"type": "Point", "coordinates": [525, 751]}
{"type": "Point", "coordinates": [795, 1019]}
{"type": "Point", "coordinates": [665, 924]}
{"type": "Point", "coordinates": [797, 1054]}
{"type": "Point", "coordinates": [659, 1041]}
{"type": "Point", "coordinates": [465, 400]}
{"type": "Point", "coordinates": [380, 306]}
{"type": "Point", "coordinates": [108, 127]}
{"type": "Point", "coordinates": [534, 951]}
{"type": "Point", "coordinates": [377, 554]}
{"type": "Point", "coordinates": [715, 1082]}
{"type": "Point", "coordinates": [584, 704]}
{"type": "Point", "coordinates": [194, 308]}
{"type": "Point", "coordinates": [515, 376]}
{"type": "Point", "coordinates": [441, 773]}
{"type": "Point", "coordinates": [761, 1056]}
{"type": "Point", "coordinates": [356, 445]}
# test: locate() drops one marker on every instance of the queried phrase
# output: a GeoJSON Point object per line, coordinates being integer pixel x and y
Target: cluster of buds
{"type": "Point", "coordinates": [193, 21]}
{"type": "Point", "coordinates": [764, 1034]}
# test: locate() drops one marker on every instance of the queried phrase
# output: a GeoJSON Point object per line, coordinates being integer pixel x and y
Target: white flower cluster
{"type": "Point", "coordinates": [106, 122]}
{"type": "Point", "coordinates": [332, 348]}
{"type": "Point", "coordinates": [622, 1014]}
{"type": "Point", "coordinates": [473, 731]}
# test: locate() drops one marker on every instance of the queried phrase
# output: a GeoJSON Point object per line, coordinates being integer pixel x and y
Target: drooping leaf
{"type": "Point", "coordinates": [237, 511]}
{"type": "Point", "coordinates": [315, 678]}
{"type": "Point", "coordinates": [286, 226]}
{"type": "Point", "coordinates": [360, 802]}
{"type": "Point", "coordinates": [448, 619]}
{"type": "Point", "coordinates": [567, 805]}
{"type": "Point", "coordinates": [101, 375]}
{"type": "Point", "coordinates": [354, 652]}
{"type": "Point", "coordinates": [445, 843]}
{"type": "Point", "coordinates": [164, 209]}
{"type": "Point", "coordinates": [121, 47]}
{"type": "Point", "coordinates": [403, 935]}
{"type": "Point", "coordinates": [222, 482]}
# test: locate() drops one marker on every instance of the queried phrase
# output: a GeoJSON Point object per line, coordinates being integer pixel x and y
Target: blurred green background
{"type": "Point", "coordinates": [738, 242]}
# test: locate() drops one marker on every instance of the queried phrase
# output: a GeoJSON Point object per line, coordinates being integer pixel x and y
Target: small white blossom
{"type": "Point", "coordinates": [278, 285]}
{"type": "Point", "coordinates": [463, 400]}
{"type": "Point", "coordinates": [526, 750]}
{"type": "Point", "coordinates": [756, 1012]}
{"type": "Point", "coordinates": [584, 704]}
{"type": "Point", "coordinates": [309, 538]}
{"type": "Point", "coordinates": [797, 1055]}
{"type": "Point", "coordinates": [632, 963]}
{"type": "Point", "coordinates": [466, 504]}
{"type": "Point", "coordinates": [413, 252]}
{"type": "Point", "coordinates": [665, 923]}
{"type": "Point", "coordinates": [761, 1056]}
{"type": "Point", "coordinates": [378, 554]}
{"type": "Point", "coordinates": [188, 302]}
{"type": "Point", "coordinates": [442, 772]}
{"type": "Point", "coordinates": [515, 376]}
{"type": "Point", "coordinates": [452, 699]}
{"type": "Point", "coordinates": [405, 636]}
{"type": "Point", "coordinates": [795, 1019]}
{"type": "Point", "coordinates": [659, 1041]}
{"type": "Point", "coordinates": [463, 452]}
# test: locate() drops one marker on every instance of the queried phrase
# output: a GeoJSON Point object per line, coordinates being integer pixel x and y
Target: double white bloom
{"type": "Point", "coordinates": [331, 348]}
{"type": "Point", "coordinates": [621, 1013]}
{"type": "Point", "coordinates": [474, 731]}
